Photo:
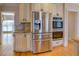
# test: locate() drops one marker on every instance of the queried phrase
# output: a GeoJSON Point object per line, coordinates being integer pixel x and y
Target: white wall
{"type": "Point", "coordinates": [70, 7]}
{"type": "Point", "coordinates": [72, 17]}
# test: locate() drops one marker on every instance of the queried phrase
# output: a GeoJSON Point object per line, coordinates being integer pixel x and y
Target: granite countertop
{"type": "Point", "coordinates": [76, 40]}
{"type": "Point", "coordinates": [42, 33]}
{"type": "Point", "coordinates": [21, 32]}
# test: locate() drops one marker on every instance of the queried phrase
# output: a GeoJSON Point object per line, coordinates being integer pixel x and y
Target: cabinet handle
{"type": "Point", "coordinates": [14, 35]}
{"type": "Point", "coordinates": [24, 35]}
{"type": "Point", "coordinates": [57, 42]}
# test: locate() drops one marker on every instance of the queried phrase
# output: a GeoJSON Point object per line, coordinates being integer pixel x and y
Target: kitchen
{"type": "Point", "coordinates": [36, 21]}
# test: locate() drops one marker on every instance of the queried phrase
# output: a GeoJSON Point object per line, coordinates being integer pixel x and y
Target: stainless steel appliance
{"type": "Point", "coordinates": [41, 41]}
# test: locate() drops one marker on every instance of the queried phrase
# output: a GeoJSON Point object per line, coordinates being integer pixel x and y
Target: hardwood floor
{"type": "Point", "coordinates": [57, 51]}
{"type": "Point", "coordinates": [60, 51]}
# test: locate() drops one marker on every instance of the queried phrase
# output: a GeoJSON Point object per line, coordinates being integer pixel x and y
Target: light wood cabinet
{"type": "Point", "coordinates": [40, 6]}
{"type": "Point", "coordinates": [36, 7]}
{"type": "Point", "coordinates": [24, 13]}
{"type": "Point", "coordinates": [29, 41]}
{"type": "Point", "coordinates": [22, 42]}
{"type": "Point", "coordinates": [58, 8]}
{"type": "Point", "coordinates": [21, 12]}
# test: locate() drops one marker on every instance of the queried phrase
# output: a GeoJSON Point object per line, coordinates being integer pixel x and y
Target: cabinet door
{"type": "Point", "coordinates": [21, 12]}
{"type": "Point", "coordinates": [24, 43]}
{"type": "Point", "coordinates": [29, 43]}
{"type": "Point", "coordinates": [24, 13]}
{"type": "Point", "coordinates": [36, 6]}
{"type": "Point", "coordinates": [20, 42]}
{"type": "Point", "coordinates": [59, 9]}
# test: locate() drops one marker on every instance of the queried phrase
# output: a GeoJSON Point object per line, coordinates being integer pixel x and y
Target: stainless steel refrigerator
{"type": "Point", "coordinates": [41, 36]}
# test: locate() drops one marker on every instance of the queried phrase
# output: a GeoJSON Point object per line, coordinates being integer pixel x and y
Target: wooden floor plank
{"type": "Point", "coordinates": [57, 51]}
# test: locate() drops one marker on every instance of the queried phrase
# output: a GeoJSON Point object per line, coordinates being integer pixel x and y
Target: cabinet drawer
{"type": "Point", "coordinates": [57, 43]}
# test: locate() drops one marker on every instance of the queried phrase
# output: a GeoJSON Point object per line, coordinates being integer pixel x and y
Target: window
{"type": "Point", "coordinates": [7, 21]}
{"type": "Point", "coordinates": [8, 25]}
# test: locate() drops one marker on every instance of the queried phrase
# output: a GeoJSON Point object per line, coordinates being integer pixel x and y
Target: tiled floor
{"type": "Point", "coordinates": [7, 50]}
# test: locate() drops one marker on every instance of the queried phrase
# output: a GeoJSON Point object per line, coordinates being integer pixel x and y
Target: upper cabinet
{"type": "Point", "coordinates": [36, 6]}
{"type": "Point", "coordinates": [25, 10]}
{"type": "Point", "coordinates": [24, 13]}
{"type": "Point", "coordinates": [49, 7]}
{"type": "Point", "coordinates": [21, 12]}
{"type": "Point", "coordinates": [58, 9]}
{"type": "Point", "coordinates": [42, 6]}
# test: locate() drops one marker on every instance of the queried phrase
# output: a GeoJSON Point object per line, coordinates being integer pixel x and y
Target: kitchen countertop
{"type": "Point", "coordinates": [21, 32]}
{"type": "Point", "coordinates": [76, 40]}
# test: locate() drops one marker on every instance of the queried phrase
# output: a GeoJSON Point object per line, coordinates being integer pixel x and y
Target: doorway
{"type": "Point", "coordinates": [7, 20]}
{"type": "Point", "coordinates": [72, 23]}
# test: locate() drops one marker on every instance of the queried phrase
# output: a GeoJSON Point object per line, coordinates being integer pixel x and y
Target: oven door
{"type": "Point", "coordinates": [57, 35]}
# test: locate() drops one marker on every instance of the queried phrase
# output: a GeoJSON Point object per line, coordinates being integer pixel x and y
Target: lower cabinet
{"type": "Point", "coordinates": [57, 43]}
{"type": "Point", "coordinates": [29, 41]}
{"type": "Point", "coordinates": [21, 42]}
